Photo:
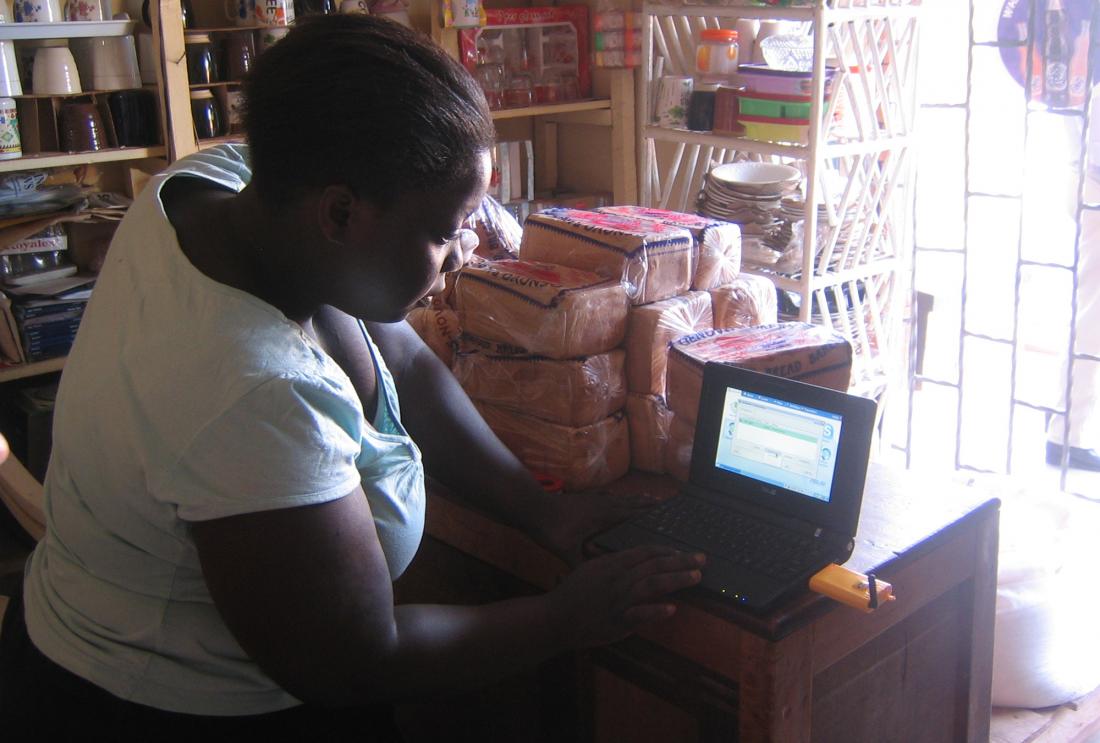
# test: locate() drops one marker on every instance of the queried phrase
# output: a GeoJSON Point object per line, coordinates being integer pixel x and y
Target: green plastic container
{"type": "Point", "coordinates": [773, 106]}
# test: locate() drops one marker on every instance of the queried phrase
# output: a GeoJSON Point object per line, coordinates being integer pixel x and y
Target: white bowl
{"type": "Point", "coordinates": [756, 178]}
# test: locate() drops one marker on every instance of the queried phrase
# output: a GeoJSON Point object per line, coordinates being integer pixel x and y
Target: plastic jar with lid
{"type": "Point", "coordinates": [716, 55]}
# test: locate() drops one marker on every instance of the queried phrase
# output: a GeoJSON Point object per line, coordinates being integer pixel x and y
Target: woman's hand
{"type": "Point", "coordinates": [572, 517]}
{"type": "Point", "coordinates": [608, 598]}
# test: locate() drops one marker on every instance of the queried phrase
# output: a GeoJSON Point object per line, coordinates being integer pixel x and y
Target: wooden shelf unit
{"type": "Point", "coordinates": [123, 167]}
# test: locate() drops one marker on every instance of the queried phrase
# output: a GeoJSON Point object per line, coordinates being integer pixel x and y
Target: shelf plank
{"type": "Point", "coordinates": [832, 278]}
{"type": "Point", "coordinates": [65, 30]}
{"type": "Point", "coordinates": [804, 13]}
{"type": "Point", "coordinates": [32, 369]}
{"type": "Point", "coordinates": [222, 29]}
{"type": "Point", "coordinates": [725, 141]}
{"type": "Point", "coordinates": [552, 108]}
{"type": "Point", "coordinates": [756, 146]}
{"type": "Point", "coordinates": [63, 159]}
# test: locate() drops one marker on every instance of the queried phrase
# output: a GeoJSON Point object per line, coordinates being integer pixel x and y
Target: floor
{"type": "Point", "coordinates": [1076, 722]}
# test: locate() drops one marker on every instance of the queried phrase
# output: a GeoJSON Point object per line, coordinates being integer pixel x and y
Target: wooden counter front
{"type": "Point", "coordinates": [917, 669]}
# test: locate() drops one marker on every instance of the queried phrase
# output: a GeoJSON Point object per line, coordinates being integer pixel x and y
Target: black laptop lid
{"type": "Point", "coordinates": [786, 446]}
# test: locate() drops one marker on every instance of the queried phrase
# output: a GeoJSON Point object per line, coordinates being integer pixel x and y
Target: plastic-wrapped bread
{"type": "Point", "coordinates": [498, 232]}
{"type": "Point", "coordinates": [748, 300]}
{"type": "Point", "coordinates": [809, 353]}
{"type": "Point", "coordinates": [540, 308]}
{"type": "Point", "coordinates": [716, 253]}
{"type": "Point", "coordinates": [649, 419]}
{"type": "Point", "coordinates": [583, 457]}
{"type": "Point", "coordinates": [570, 392]}
{"type": "Point", "coordinates": [450, 280]}
{"type": "Point", "coordinates": [437, 326]}
{"type": "Point", "coordinates": [653, 260]}
{"type": "Point", "coordinates": [649, 330]}
{"type": "Point", "coordinates": [681, 439]}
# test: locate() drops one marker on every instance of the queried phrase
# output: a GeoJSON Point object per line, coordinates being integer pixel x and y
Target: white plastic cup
{"type": "Point", "coordinates": [107, 62]}
{"type": "Point", "coordinates": [55, 71]}
{"type": "Point", "coordinates": [9, 71]}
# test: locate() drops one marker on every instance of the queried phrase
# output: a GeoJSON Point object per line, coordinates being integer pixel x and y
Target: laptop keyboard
{"type": "Point", "coordinates": [740, 539]}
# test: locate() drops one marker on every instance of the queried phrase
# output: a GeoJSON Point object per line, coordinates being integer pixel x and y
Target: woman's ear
{"type": "Point", "coordinates": [336, 208]}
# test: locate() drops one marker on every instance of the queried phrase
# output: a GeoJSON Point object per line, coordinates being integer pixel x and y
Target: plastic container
{"type": "Point", "coordinates": [764, 79]}
{"type": "Point", "coordinates": [780, 131]}
{"type": "Point", "coordinates": [774, 106]}
{"type": "Point", "coordinates": [716, 54]}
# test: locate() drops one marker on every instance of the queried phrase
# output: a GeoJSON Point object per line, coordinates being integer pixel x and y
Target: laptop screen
{"type": "Point", "coordinates": [778, 442]}
{"type": "Point", "coordinates": [792, 448]}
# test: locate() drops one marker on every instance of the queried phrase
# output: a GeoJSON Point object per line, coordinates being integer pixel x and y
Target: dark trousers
{"type": "Point", "coordinates": [41, 701]}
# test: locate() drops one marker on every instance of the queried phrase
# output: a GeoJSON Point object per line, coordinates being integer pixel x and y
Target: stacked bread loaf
{"type": "Point", "coordinates": [584, 355]}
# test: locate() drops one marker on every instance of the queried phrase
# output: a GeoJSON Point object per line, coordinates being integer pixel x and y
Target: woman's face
{"type": "Point", "coordinates": [400, 254]}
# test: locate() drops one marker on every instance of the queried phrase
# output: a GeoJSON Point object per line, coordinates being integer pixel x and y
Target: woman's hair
{"type": "Point", "coordinates": [365, 102]}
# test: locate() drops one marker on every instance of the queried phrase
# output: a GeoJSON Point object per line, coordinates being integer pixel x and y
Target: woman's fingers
{"type": "Point", "coordinates": [640, 555]}
{"type": "Point", "coordinates": [636, 616]}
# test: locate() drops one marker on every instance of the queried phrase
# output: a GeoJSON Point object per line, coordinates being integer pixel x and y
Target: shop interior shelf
{"type": "Point", "coordinates": [65, 30]}
{"type": "Point", "coordinates": [63, 159]}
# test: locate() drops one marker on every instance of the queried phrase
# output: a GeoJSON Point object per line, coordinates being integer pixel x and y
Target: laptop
{"type": "Point", "coordinates": [777, 475]}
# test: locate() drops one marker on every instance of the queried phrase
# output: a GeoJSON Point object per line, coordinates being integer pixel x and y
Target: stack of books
{"type": "Point", "coordinates": [47, 327]}
{"type": "Point", "coordinates": [40, 322]}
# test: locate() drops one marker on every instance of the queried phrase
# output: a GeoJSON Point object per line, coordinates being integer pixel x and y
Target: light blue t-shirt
{"type": "Point", "coordinates": [185, 400]}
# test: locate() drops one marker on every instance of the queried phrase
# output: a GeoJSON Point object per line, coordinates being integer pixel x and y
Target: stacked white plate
{"type": "Point", "coordinates": [748, 193]}
{"type": "Point", "coordinates": [751, 194]}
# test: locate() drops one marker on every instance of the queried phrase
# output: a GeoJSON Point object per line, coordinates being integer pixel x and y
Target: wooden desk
{"type": "Point", "coordinates": [918, 669]}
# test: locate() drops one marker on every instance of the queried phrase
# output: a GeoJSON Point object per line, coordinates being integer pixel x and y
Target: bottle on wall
{"type": "Point", "coordinates": [1056, 55]}
{"type": "Point", "coordinates": [1079, 66]}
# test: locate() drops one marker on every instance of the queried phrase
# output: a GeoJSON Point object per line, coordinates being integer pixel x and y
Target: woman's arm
{"type": "Point", "coordinates": [460, 450]}
{"type": "Point", "coordinates": [307, 593]}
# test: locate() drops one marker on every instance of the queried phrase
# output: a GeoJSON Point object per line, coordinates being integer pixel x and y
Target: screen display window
{"type": "Point", "coordinates": [779, 443]}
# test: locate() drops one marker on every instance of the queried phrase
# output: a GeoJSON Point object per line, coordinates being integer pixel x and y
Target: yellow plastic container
{"type": "Point", "coordinates": [780, 131]}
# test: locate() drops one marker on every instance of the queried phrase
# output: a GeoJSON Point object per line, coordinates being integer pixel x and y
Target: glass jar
{"type": "Point", "coordinates": [205, 113]}
{"type": "Point", "coordinates": [202, 60]}
{"type": "Point", "coordinates": [716, 55]}
{"type": "Point", "coordinates": [520, 92]}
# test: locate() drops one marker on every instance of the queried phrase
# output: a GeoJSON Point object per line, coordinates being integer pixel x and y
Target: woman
{"type": "Point", "coordinates": [233, 485]}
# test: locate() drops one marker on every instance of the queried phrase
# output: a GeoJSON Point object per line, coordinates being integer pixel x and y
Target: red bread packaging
{"type": "Point", "coordinates": [653, 260]}
{"type": "Point", "coordinates": [570, 392]}
{"type": "Point", "coordinates": [649, 420]}
{"type": "Point", "coordinates": [649, 330]}
{"type": "Point", "coordinates": [746, 301]}
{"type": "Point", "coordinates": [541, 309]}
{"type": "Point", "coordinates": [809, 353]}
{"type": "Point", "coordinates": [716, 252]}
{"type": "Point", "coordinates": [583, 457]}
